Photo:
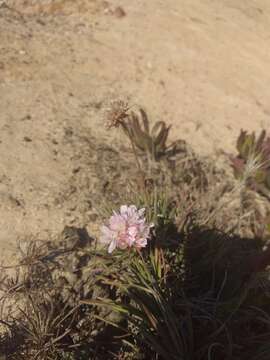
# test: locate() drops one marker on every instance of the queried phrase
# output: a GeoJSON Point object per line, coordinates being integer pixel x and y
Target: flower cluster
{"type": "Point", "coordinates": [126, 229]}
{"type": "Point", "coordinates": [116, 114]}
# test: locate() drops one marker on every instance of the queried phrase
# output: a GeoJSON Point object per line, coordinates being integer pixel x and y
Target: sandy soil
{"type": "Point", "coordinates": [201, 65]}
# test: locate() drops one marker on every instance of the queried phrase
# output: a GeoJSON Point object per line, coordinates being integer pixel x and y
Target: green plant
{"type": "Point", "coordinates": [252, 164]}
{"type": "Point", "coordinates": [152, 321]}
{"type": "Point", "coordinates": [152, 142]}
{"type": "Point", "coordinates": [162, 318]}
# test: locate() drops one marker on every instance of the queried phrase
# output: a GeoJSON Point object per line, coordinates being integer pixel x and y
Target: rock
{"type": "Point", "coordinates": [119, 12]}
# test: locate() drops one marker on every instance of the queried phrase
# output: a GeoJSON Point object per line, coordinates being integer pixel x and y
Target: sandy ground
{"type": "Point", "coordinates": [201, 65]}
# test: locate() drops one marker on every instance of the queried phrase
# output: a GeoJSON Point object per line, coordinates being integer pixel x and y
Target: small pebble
{"type": "Point", "coordinates": [119, 12]}
{"type": "Point", "coordinates": [27, 139]}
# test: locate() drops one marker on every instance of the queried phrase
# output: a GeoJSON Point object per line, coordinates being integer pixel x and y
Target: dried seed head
{"type": "Point", "coordinates": [117, 113]}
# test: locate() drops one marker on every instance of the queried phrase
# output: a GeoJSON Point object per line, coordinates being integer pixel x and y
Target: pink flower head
{"type": "Point", "coordinates": [125, 229]}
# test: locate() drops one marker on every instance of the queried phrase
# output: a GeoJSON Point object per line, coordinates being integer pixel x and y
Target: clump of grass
{"type": "Point", "coordinates": [47, 321]}
{"type": "Point", "coordinates": [46, 325]}
{"type": "Point", "coordinates": [179, 309]}
{"type": "Point", "coordinates": [149, 309]}
{"type": "Point", "coordinates": [252, 164]}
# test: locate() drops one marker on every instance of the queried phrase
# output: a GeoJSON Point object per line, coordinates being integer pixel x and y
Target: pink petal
{"type": "Point", "coordinates": [106, 234]}
{"type": "Point", "coordinates": [140, 243]}
{"type": "Point", "coordinates": [132, 230]}
{"type": "Point", "coordinates": [141, 212]}
{"type": "Point", "coordinates": [131, 210]}
{"type": "Point", "coordinates": [123, 209]}
{"type": "Point", "coordinates": [112, 246]}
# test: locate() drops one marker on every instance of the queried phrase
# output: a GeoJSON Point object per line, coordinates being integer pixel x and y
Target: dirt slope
{"type": "Point", "coordinates": [201, 65]}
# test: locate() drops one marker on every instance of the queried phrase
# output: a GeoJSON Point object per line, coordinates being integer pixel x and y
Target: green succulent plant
{"type": "Point", "coordinates": [153, 141]}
